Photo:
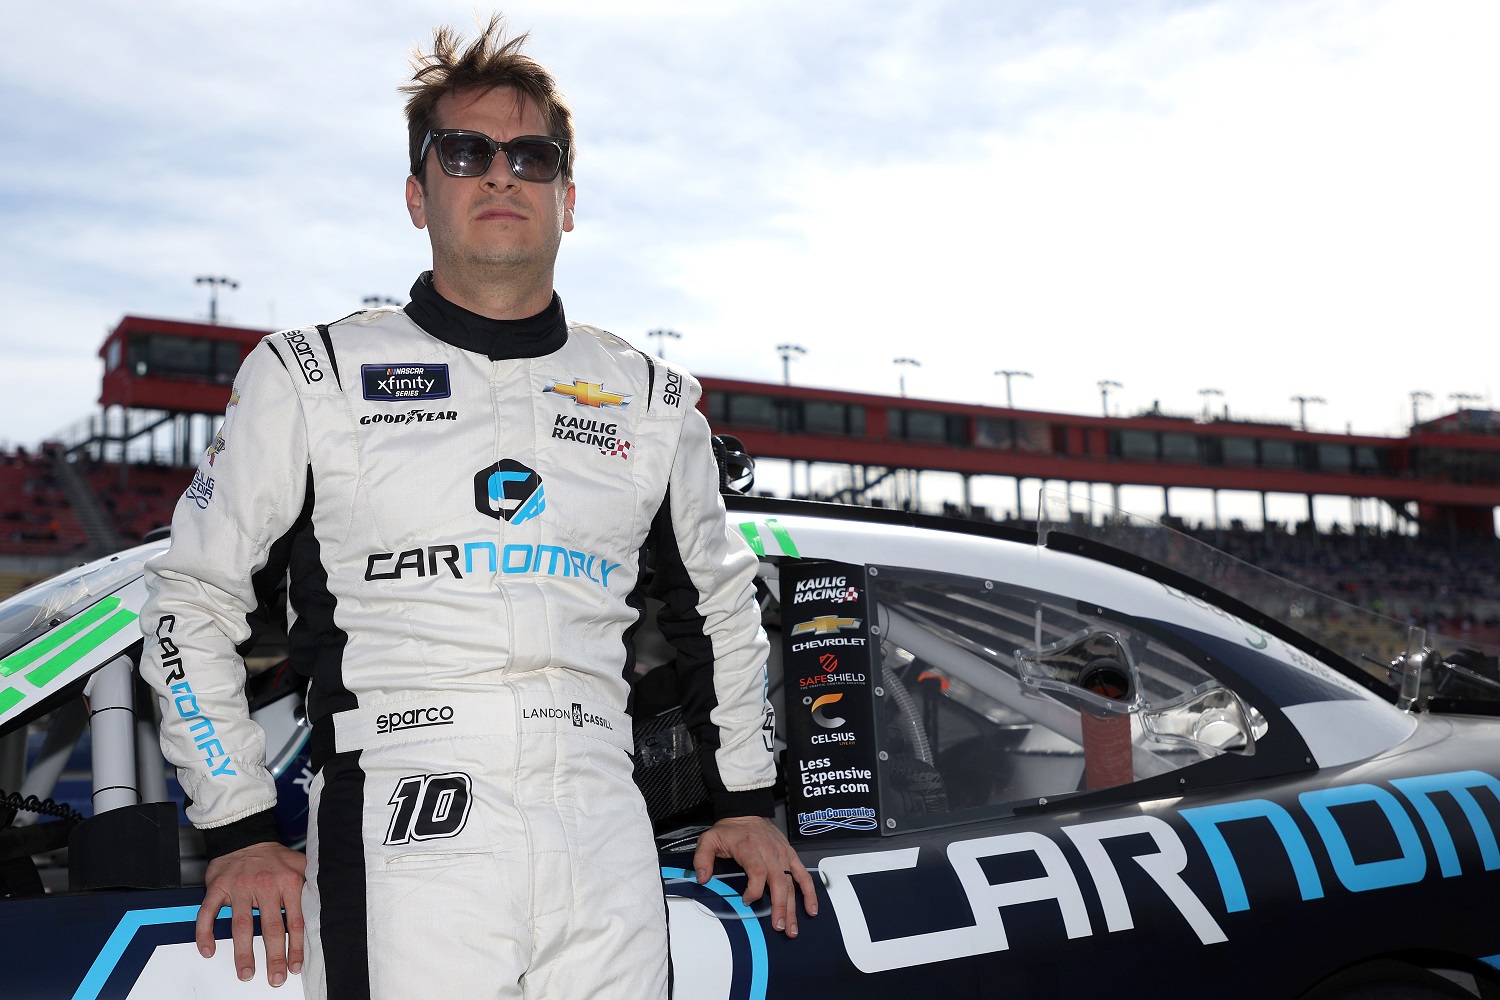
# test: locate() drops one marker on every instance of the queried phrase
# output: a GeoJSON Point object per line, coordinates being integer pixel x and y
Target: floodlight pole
{"type": "Point", "coordinates": [376, 301]}
{"type": "Point", "coordinates": [1302, 402]}
{"type": "Point", "coordinates": [1104, 386]}
{"type": "Point", "coordinates": [661, 337]}
{"type": "Point", "coordinates": [214, 283]}
{"type": "Point", "coordinates": [787, 352]}
{"type": "Point", "coordinates": [1417, 394]}
{"type": "Point", "coordinates": [1008, 375]}
{"type": "Point", "coordinates": [907, 363]}
{"type": "Point", "coordinates": [1205, 393]}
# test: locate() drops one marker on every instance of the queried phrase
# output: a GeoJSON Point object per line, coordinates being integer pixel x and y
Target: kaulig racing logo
{"type": "Point", "coordinates": [509, 490]}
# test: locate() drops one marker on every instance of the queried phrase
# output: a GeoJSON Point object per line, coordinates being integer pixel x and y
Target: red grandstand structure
{"type": "Point", "coordinates": [1443, 477]}
{"type": "Point", "coordinates": [166, 384]}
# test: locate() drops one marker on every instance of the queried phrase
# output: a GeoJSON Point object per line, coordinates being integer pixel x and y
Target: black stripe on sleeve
{"type": "Point", "coordinates": [650, 377]}
{"type": "Point", "coordinates": [277, 354]}
{"type": "Point", "coordinates": [333, 360]}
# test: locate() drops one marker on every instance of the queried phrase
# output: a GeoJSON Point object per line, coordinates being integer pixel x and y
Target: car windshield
{"type": "Point", "coordinates": [37, 610]}
{"type": "Point", "coordinates": [1422, 667]}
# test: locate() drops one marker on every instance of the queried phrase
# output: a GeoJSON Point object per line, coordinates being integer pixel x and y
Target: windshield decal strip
{"type": "Point", "coordinates": [752, 536]}
{"type": "Point", "coordinates": [29, 655]}
{"type": "Point", "coordinates": [783, 538]}
{"type": "Point", "coordinates": [111, 626]}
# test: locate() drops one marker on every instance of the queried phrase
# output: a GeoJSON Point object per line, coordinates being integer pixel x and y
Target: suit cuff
{"type": "Point", "coordinates": [755, 802]}
{"type": "Point", "coordinates": [257, 828]}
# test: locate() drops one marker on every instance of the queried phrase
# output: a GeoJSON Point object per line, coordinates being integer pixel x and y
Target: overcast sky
{"type": "Point", "coordinates": [1266, 198]}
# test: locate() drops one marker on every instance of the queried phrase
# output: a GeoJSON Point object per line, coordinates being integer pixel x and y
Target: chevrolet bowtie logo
{"type": "Point", "coordinates": [824, 625]}
{"type": "Point", "coordinates": [589, 394]}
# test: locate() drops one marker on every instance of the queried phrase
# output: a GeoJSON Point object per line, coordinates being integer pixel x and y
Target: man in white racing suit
{"type": "Point", "coordinates": [464, 493]}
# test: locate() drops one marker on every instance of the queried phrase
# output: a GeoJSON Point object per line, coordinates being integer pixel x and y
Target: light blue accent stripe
{"type": "Point", "coordinates": [760, 964]}
{"type": "Point", "coordinates": [1491, 960]}
{"type": "Point", "coordinates": [114, 948]}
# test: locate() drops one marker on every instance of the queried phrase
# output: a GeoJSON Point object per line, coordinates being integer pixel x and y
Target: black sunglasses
{"type": "Point", "coordinates": [462, 153]}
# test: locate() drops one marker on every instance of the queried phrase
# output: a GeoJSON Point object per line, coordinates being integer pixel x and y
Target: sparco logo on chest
{"type": "Point", "coordinates": [302, 352]}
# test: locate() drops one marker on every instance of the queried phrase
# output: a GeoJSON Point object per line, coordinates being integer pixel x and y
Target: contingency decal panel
{"type": "Point", "coordinates": [826, 657]}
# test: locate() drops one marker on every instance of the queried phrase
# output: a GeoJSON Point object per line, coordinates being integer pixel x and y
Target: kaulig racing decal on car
{"type": "Point", "coordinates": [397, 383]}
{"type": "Point", "coordinates": [832, 756]}
{"type": "Point", "coordinates": [1363, 833]}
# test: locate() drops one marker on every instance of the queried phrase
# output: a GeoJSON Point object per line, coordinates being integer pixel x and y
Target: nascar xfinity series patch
{"type": "Point", "coordinates": [396, 383]}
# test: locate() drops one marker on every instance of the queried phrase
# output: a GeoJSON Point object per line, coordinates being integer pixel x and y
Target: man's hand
{"type": "Point", "coordinates": [267, 877]}
{"type": "Point", "coordinates": [757, 846]}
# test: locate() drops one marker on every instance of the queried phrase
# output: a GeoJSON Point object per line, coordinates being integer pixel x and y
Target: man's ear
{"type": "Point", "coordinates": [569, 197]}
{"type": "Point", "coordinates": [416, 205]}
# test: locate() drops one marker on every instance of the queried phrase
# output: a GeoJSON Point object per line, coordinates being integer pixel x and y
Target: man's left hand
{"type": "Point", "coordinates": [757, 846]}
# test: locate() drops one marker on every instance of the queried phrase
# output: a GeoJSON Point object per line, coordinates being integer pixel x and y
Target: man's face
{"type": "Point", "coordinates": [496, 219]}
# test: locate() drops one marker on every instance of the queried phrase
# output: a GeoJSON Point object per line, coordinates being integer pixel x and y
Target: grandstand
{"type": "Point", "coordinates": [1437, 563]}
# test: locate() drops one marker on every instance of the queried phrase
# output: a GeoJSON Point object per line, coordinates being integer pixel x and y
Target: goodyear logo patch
{"type": "Point", "coordinates": [396, 383]}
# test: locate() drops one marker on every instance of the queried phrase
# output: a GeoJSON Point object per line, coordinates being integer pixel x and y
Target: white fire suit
{"type": "Point", "coordinates": [465, 533]}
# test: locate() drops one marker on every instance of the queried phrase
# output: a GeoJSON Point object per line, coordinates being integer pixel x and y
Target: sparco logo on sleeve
{"type": "Point", "coordinates": [393, 383]}
{"type": "Point", "coordinates": [303, 353]}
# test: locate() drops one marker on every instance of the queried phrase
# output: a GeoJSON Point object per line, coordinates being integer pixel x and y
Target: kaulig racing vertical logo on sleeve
{"type": "Point", "coordinates": [397, 383]}
{"type": "Point", "coordinates": [509, 490]}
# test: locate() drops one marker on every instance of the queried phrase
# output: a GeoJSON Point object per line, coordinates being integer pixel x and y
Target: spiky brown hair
{"type": "Point", "coordinates": [491, 60]}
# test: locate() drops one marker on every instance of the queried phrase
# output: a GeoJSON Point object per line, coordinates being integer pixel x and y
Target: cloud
{"type": "Point", "coordinates": [1265, 197]}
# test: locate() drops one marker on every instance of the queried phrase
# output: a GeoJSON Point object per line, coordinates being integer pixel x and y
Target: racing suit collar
{"type": "Point", "coordinates": [496, 339]}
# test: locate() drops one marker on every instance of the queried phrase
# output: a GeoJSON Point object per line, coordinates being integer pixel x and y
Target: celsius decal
{"type": "Point", "coordinates": [395, 383]}
{"type": "Point", "coordinates": [409, 417]}
{"type": "Point", "coordinates": [817, 711]}
{"type": "Point", "coordinates": [201, 492]}
{"type": "Point", "coordinates": [429, 807]}
{"type": "Point", "coordinates": [510, 490]}
{"type": "Point", "coordinates": [588, 394]}
{"type": "Point", "coordinates": [306, 360]}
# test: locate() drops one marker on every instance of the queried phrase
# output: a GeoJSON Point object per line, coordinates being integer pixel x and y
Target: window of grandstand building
{"type": "Point", "coordinates": [1335, 458]}
{"type": "Point", "coordinates": [1137, 446]}
{"type": "Point", "coordinates": [1276, 454]}
{"type": "Point", "coordinates": [924, 426]}
{"type": "Point", "coordinates": [1368, 459]}
{"type": "Point", "coordinates": [164, 355]}
{"type": "Point", "coordinates": [745, 410]}
{"type": "Point", "coordinates": [833, 418]}
{"type": "Point", "coordinates": [1238, 450]}
{"type": "Point", "coordinates": [1011, 435]}
{"type": "Point", "coordinates": [1179, 447]}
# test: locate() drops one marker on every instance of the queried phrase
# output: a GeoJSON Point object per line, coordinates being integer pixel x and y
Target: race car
{"type": "Point", "coordinates": [1092, 756]}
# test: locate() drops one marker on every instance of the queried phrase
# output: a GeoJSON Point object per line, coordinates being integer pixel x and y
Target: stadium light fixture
{"type": "Point", "coordinates": [1302, 402]}
{"type": "Point", "coordinates": [214, 283]}
{"type": "Point", "coordinates": [909, 363]}
{"type": "Point", "coordinates": [376, 301]}
{"type": "Point", "coordinates": [1008, 375]}
{"type": "Point", "coordinates": [1417, 394]}
{"type": "Point", "coordinates": [1105, 385]}
{"type": "Point", "coordinates": [788, 352]}
{"type": "Point", "coordinates": [661, 338]}
{"type": "Point", "coordinates": [1205, 393]}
